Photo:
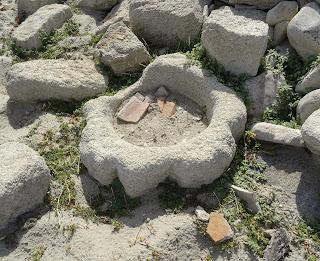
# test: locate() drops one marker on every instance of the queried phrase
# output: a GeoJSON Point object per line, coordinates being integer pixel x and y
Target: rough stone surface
{"type": "Point", "coordinates": [262, 91]}
{"type": "Point", "coordinates": [28, 7]}
{"type": "Point", "coordinates": [201, 214]}
{"type": "Point", "coordinates": [87, 24]}
{"type": "Point", "coordinates": [236, 39]}
{"type": "Point", "coordinates": [24, 181]}
{"type": "Point", "coordinates": [120, 13]}
{"type": "Point", "coordinates": [278, 247]}
{"type": "Point", "coordinates": [191, 163]}
{"type": "Point", "coordinates": [218, 228]}
{"type": "Point", "coordinates": [45, 19]}
{"type": "Point", "coordinates": [7, 20]}
{"type": "Point", "coordinates": [308, 104]}
{"type": "Point", "coordinates": [97, 4]}
{"type": "Point", "coordinates": [280, 33]}
{"type": "Point", "coordinates": [5, 64]}
{"type": "Point", "coordinates": [208, 200]}
{"type": "Point", "coordinates": [167, 23]}
{"type": "Point", "coordinates": [284, 11]}
{"type": "Point", "coordinates": [67, 80]}
{"type": "Point", "coordinates": [311, 132]}
{"type": "Point", "coordinates": [304, 31]}
{"type": "Point", "coordinates": [278, 134]}
{"type": "Point", "coordinates": [310, 82]}
{"type": "Point", "coordinates": [261, 4]}
{"type": "Point", "coordinates": [249, 197]}
{"type": "Point", "coordinates": [121, 50]}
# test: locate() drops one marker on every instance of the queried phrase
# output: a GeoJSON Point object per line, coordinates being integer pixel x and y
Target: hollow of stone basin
{"type": "Point", "coordinates": [155, 129]}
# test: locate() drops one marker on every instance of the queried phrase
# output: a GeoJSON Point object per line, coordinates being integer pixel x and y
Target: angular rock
{"type": "Point", "coordinates": [284, 11]}
{"type": "Point", "coordinates": [44, 20]}
{"type": "Point", "coordinates": [304, 31]}
{"type": "Point", "coordinates": [28, 7]}
{"type": "Point", "coordinates": [192, 163]}
{"type": "Point", "coordinates": [218, 228]}
{"type": "Point", "coordinates": [236, 39]}
{"type": "Point", "coordinates": [121, 50]}
{"type": "Point", "coordinates": [249, 197]}
{"type": "Point", "coordinates": [55, 79]}
{"type": "Point", "coordinates": [201, 214]}
{"type": "Point", "coordinates": [278, 247]}
{"type": "Point", "coordinates": [278, 134]}
{"type": "Point", "coordinates": [167, 23]}
{"type": "Point", "coordinates": [308, 104]}
{"type": "Point", "coordinates": [279, 33]}
{"type": "Point", "coordinates": [120, 13]}
{"type": "Point", "coordinates": [97, 5]}
{"type": "Point", "coordinates": [87, 24]}
{"type": "Point", "coordinates": [311, 132]}
{"type": "Point", "coordinates": [161, 92]}
{"type": "Point", "coordinates": [310, 82]}
{"type": "Point", "coordinates": [262, 91]}
{"type": "Point", "coordinates": [24, 181]}
{"type": "Point", "coordinates": [260, 4]}
{"type": "Point", "coordinates": [133, 111]}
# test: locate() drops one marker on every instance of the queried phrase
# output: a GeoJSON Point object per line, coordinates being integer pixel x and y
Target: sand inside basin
{"type": "Point", "coordinates": [155, 129]}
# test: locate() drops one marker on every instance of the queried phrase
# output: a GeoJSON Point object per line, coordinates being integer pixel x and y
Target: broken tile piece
{"type": "Point", "coordinates": [249, 197]}
{"type": "Point", "coordinates": [133, 111]}
{"type": "Point", "coordinates": [166, 108]}
{"type": "Point", "coordinates": [161, 92]}
{"type": "Point", "coordinates": [218, 228]}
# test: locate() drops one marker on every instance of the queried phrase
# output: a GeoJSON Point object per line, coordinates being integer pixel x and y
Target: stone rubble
{"type": "Point", "coordinates": [249, 197]}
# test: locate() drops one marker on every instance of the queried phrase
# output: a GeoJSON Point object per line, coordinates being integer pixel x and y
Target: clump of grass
{"type": "Point", "coordinates": [37, 253]}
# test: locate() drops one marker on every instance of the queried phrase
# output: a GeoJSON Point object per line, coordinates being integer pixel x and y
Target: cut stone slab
{"type": "Point", "coordinates": [279, 33]}
{"type": "Point", "coordinates": [284, 11]}
{"type": "Point", "coordinates": [97, 5]}
{"type": "Point", "coordinates": [133, 111]}
{"type": "Point", "coordinates": [249, 197]}
{"type": "Point", "coordinates": [218, 228]}
{"type": "Point", "coordinates": [236, 39]}
{"type": "Point", "coordinates": [119, 13]}
{"type": "Point", "coordinates": [262, 91]}
{"type": "Point", "coordinates": [311, 132]}
{"type": "Point", "coordinates": [308, 104]}
{"type": "Point", "coordinates": [67, 80]}
{"type": "Point", "coordinates": [278, 134]}
{"type": "Point", "coordinates": [201, 214]}
{"type": "Point", "coordinates": [24, 181]}
{"type": "Point", "coordinates": [121, 50]}
{"type": "Point", "coordinates": [310, 82]}
{"type": "Point", "coordinates": [44, 20]}
{"type": "Point", "coordinates": [278, 247]}
{"type": "Point", "coordinates": [28, 7]}
{"type": "Point", "coordinates": [167, 23]}
{"type": "Point", "coordinates": [304, 31]}
{"type": "Point", "coordinates": [191, 163]}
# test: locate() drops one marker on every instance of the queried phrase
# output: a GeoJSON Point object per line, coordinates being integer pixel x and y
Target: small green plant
{"type": "Point", "coordinates": [117, 225]}
{"type": "Point", "coordinates": [37, 253]}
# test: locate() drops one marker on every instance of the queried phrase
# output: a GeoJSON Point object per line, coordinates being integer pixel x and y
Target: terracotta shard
{"type": "Point", "coordinates": [218, 228]}
{"type": "Point", "coordinates": [133, 111]}
{"type": "Point", "coordinates": [166, 108]}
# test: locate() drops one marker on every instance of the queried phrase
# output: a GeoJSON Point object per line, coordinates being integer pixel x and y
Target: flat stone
{"type": "Point", "coordinates": [201, 214]}
{"type": "Point", "coordinates": [24, 181]}
{"type": "Point", "coordinates": [311, 132]}
{"type": "Point", "coordinates": [249, 197]}
{"type": "Point", "coordinates": [218, 228]}
{"type": "Point", "coordinates": [277, 134]}
{"type": "Point", "coordinates": [278, 247]}
{"type": "Point", "coordinates": [304, 31]}
{"type": "Point", "coordinates": [121, 50]}
{"type": "Point", "coordinates": [236, 39]}
{"type": "Point", "coordinates": [167, 23]}
{"type": "Point", "coordinates": [44, 20]}
{"type": "Point", "coordinates": [308, 104]}
{"type": "Point", "coordinates": [310, 82]}
{"type": "Point", "coordinates": [28, 7]}
{"type": "Point", "coordinates": [262, 91]}
{"type": "Point", "coordinates": [284, 11]}
{"type": "Point", "coordinates": [67, 80]}
{"type": "Point", "coordinates": [133, 111]}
